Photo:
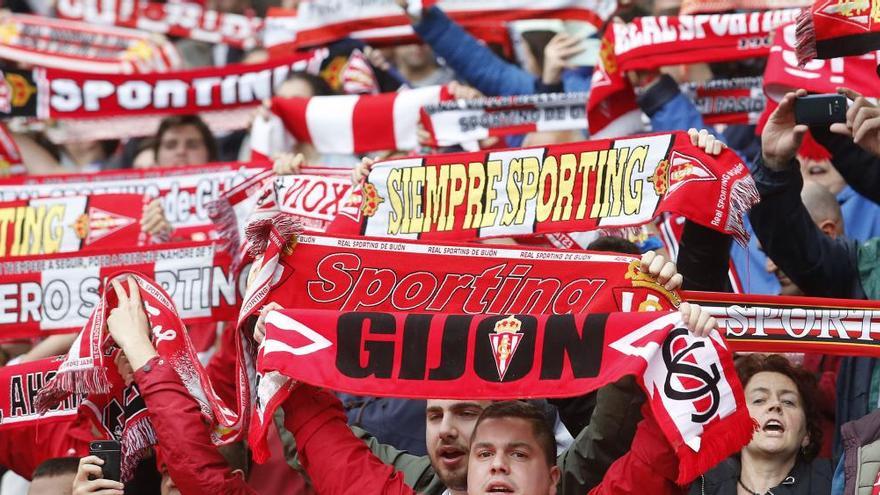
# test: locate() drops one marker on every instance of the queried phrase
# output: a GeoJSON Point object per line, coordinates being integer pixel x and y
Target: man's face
{"type": "Point", "coordinates": [786, 286]}
{"type": "Point", "coordinates": [823, 173]}
{"type": "Point", "coordinates": [52, 485]}
{"type": "Point", "coordinates": [415, 56]}
{"type": "Point", "coordinates": [448, 428]}
{"type": "Point", "coordinates": [182, 145]}
{"type": "Point", "coordinates": [507, 458]}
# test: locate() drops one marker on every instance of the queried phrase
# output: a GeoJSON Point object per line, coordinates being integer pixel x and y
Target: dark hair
{"type": "Point", "coordinates": [319, 85]}
{"type": "Point", "coordinates": [614, 245]}
{"type": "Point", "coordinates": [173, 121]}
{"type": "Point", "coordinates": [530, 413]}
{"type": "Point", "coordinates": [236, 455]}
{"type": "Point", "coordinates": [750, 365]}
{"type": "Point", "coordinates": [58, 466]}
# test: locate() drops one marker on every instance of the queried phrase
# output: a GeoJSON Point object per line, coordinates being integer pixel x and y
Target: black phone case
{"type": "Point", "coordinates": [820, 109]}
{"type": "Point", "coordinates": [110, 453]}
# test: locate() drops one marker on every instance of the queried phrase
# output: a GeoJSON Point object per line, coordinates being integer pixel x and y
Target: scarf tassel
{"type": "Point", "coordinates": [222, 214]}
{"type": "Point", "coordinates": [743, 195]}
{"type": "Point", "coordinates": [258, 232]}
{"type": "Point", "coordinates": [92, 380]}
{"type": "Point", "coordinates": [716, 443]}
{"type": "Point", "coordinates": [805, 48]}
{"type": "Point", "coordinates": [137, 438]}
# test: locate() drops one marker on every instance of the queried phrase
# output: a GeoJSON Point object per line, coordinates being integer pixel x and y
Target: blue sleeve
{"type": "Point", "coordinates": [471, 60]}
{"type": "Point", "coordinates": [669, 109]}
{"type": "Point", "coordinates": [838, 483]}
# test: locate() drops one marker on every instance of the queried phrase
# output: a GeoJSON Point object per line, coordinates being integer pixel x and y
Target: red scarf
{"type": "Point", "coordinates": [59, 44]}
{"type": "Point", "coordinates": [729, 101]}
{"type": "Point", "coordinates": [54, 293]}
{"type": "Point", "coordinates": [700, 409]}
{"type": "Point", "coordinates": [611, 109]}
{"type": "Point", "coordinates": [70, 224]}
{"type": "Point", "coordinates": [60, 94]}
{"type": "Point", "coordinates": [85, 371]}
{"type": "Point", "coordinates": [832, 28]}
{"type": "Point", "coordinates": [186, 191]}
{"type": "Point", "coordinates": [184, 20]}
{"type": "Point", "coordinates": [322, 23]}
{"type": "Point", "coordinates": [651, 42]}
{"type": "Point", "coordinates": [350, 124]}
{"type": "Point", "coordinates": [712, 6]}
{"type": "Point", "coordinates": [19, 384]}
{"type": "Point", "coordinates": [559, 188]}
{"type": "Point", "coordinates": [468, 121]}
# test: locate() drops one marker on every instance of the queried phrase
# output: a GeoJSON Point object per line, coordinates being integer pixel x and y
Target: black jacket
{"type": "Point", "coordinates": [812, 478]}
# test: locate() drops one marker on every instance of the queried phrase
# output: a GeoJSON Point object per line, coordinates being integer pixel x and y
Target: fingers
{"type": "Point", "coordinates": [89, 465]}
{"type": "Point", "coordinates": [134, 294]}
{"type": "Point", "coordinates": [694, 135]}
{"type": "Point", "coordinates": [855, 109]}
{"type": "Point", "coordinates": [852, 95]}
{"type": "Point", "coordinates": [260, 327]}
{"type": "Point", "coordinates": [840, 128]}
{"type": "Point", "coordinates": [121, 296]}
{"type": "Point", "coordinates": [866, 130]}
{"type": "Point", "coordinates": [864, 114]}
{"type": "Point", "coordinates": [693, 317]}
{"type": "Point", "coordinates": [705, 324]}
{"type": "Point", "coordinates": [647, 258]}
{"type": "Point", "coordinates": [656, 266]}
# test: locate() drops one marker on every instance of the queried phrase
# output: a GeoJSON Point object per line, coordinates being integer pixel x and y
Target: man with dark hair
{"type": "Point", "coordinates": [184, 140]}
{"type": "Point", "coordinates": [54, 476]}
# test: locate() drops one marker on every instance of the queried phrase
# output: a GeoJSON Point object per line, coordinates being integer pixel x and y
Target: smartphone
{"type": "Point", "coordinates": [110, 451]}
{"type": "Point", "coordinates": [820, 109]}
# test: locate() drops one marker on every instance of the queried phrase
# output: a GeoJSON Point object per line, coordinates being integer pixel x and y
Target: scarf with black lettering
{"type": "Point", "coordinates": [64, 94]}
{"type": "Point", "coordinates": [574, 187]}
{"type": "Point", "coordinates": [690, 382]}
{"type": "Point", "coordinates": [831, 29]}
{"type": "Point", "coordinates": [54, 293]}
{"type": "Point", "coordinates": [186, 192]}
{"type": "Point", "coordinates": [85, 371]}
{"type": "Point", "coordinates": [182, 20]}
{"type": "Point", "coordinates": [468, 121]}
{"type": "Point", "coordinates": [70, 45]}
{"type": "Point", "coordinates": [739, 100]}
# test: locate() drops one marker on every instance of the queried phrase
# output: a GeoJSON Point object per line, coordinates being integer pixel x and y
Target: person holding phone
{"type": "Point", "coordinates": [90, 479]}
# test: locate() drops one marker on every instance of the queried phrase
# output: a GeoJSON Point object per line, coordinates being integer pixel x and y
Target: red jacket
{"type": "Point", "coordinates": [338, 463]}
{"type": "Point", "coordinates": [194, 463]}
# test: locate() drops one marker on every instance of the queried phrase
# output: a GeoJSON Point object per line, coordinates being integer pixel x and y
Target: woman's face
{"type": "Point", "coordinates": [182, 145]}
{"type": "Point", "coordinates": [775, 403]}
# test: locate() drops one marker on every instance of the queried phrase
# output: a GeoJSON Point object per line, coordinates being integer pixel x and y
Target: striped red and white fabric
{"type": "Point", "coordinates": [357, 124]}
{"type": "Point", "coordinates": [611, 109]}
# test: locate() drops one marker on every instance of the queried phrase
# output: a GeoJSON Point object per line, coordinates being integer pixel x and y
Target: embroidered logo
{"type": "Point", "coordinates": [504, 340]}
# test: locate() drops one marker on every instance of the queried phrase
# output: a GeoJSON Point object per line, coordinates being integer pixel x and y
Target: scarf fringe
{"type": "Point", "coordinates": [719, 441]}
{"type": "Point", "coordinates": [743, 195]}
{"type": "Point", "coordinates": [806, 38]}
{"type": "Point", "coordinates": [137, 438]}
{"type": "Point", "coordinates": [92, 380]}
{"type": "Point", "coordinates": [257, 232]}
{"type": "Point", "coordinates": [221, 212]}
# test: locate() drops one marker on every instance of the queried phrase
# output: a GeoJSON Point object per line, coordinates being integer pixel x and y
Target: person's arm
{"type": "Point", "coordinates": [337, 462]}
{"type": "Point", "coordinates": [193, 461]}
{"type": "Point", "coordinates": [472, 61]}
{"type": "Point", "coordinates": [668, 108]}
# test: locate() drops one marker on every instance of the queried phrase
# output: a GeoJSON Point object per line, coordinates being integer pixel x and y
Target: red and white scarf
{"type": "Point", "coordinates": [61, 94]}
{"type": "Point", "coordinates": [19, 384]}
{"type": "Point", "coordinates": [186, 191]}
{"type": "Point", "coordinates": [357, 124]}
{"type": "Point", "coordinates": [739, 100]}
{"type": "Point", "coordinates": [690, 382]}
{"type": "Point", "coordinates": [612, 110]}
{"type": "Point", "coordinates": [713, 6]}
{"type": "Point", "coordinates": [560, 188]}
{"type": "Point", "coordinates": [85, 370]}
{"type": "Point", "coordinates": [837, 28]}
{"type": "Point", "coordinates": [651, 42]}
{"type": "Point", "coordinates": [55, 293]}
{"type": "Point", "coordinates": [70, 45]}
{"type": "Point", "coordinates": [70, 224]}
{"type": "Point", "coordinates": [467, 121]}
{"type": "Point", "coordinates": [783, 74]}
{"type": "Point", "coordinates": [320, 22]}
{"type": "Point", "coordinates": [180, 19]}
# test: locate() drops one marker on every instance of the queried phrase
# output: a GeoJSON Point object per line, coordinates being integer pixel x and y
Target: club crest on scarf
{"type": "Point", "coordinates": [505, 340]}
{"type": "Point", "coordinates": [859, 13]}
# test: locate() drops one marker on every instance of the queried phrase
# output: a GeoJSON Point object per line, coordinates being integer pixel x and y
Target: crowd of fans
{"type": "Point", "coordinates": [816, 231]}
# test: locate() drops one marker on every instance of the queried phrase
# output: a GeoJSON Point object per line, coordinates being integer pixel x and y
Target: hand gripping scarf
{"type": "Point", "coordinates": [690, 382]}
{"type": "Point", "coordinates": [838, 28]}
{"type": "Point", "coordinates": [463, 121]}
{"type": "Point", "coordinates": [85, 370]}
{"type": "Point", "coordinates": [559, 188]}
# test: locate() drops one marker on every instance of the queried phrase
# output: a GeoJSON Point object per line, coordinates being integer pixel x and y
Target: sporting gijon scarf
{"type": "Point", "coordinates": [690, 382]}
{"type": "Point", "coordinates": [55, 293]}
{"type": "Point", "coordinates": [19, 384]}
{"type": "Point", "coordinates": [351, 124]}
{"type": "Point", "coordinates": [85, 370]}
{"type": "Point", "coordinates": [569, 187]}
{"type": "Point", "coordinates": [186, 191]}
{"type": "Point", "coordinates": [739, 100]}
{"type": "Point", "coordinates": [322, 21]}
{"type": "Point", "coordinates": [184, 19]}
{"type": "Point", "coordinates": [651, 42]}
{"type": "Point", "coordinates": [70, 223]}
{"type": "Point", "coordinates": [64, 94]}
{"type": "Point", "coordinates": [612, 110]}
{"type": "Point", "coordinates": [835, 28]}
{"type": "Point", "coordinates": [55, 43]}
{"type": "Point", "coordinates": [467, 121]}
